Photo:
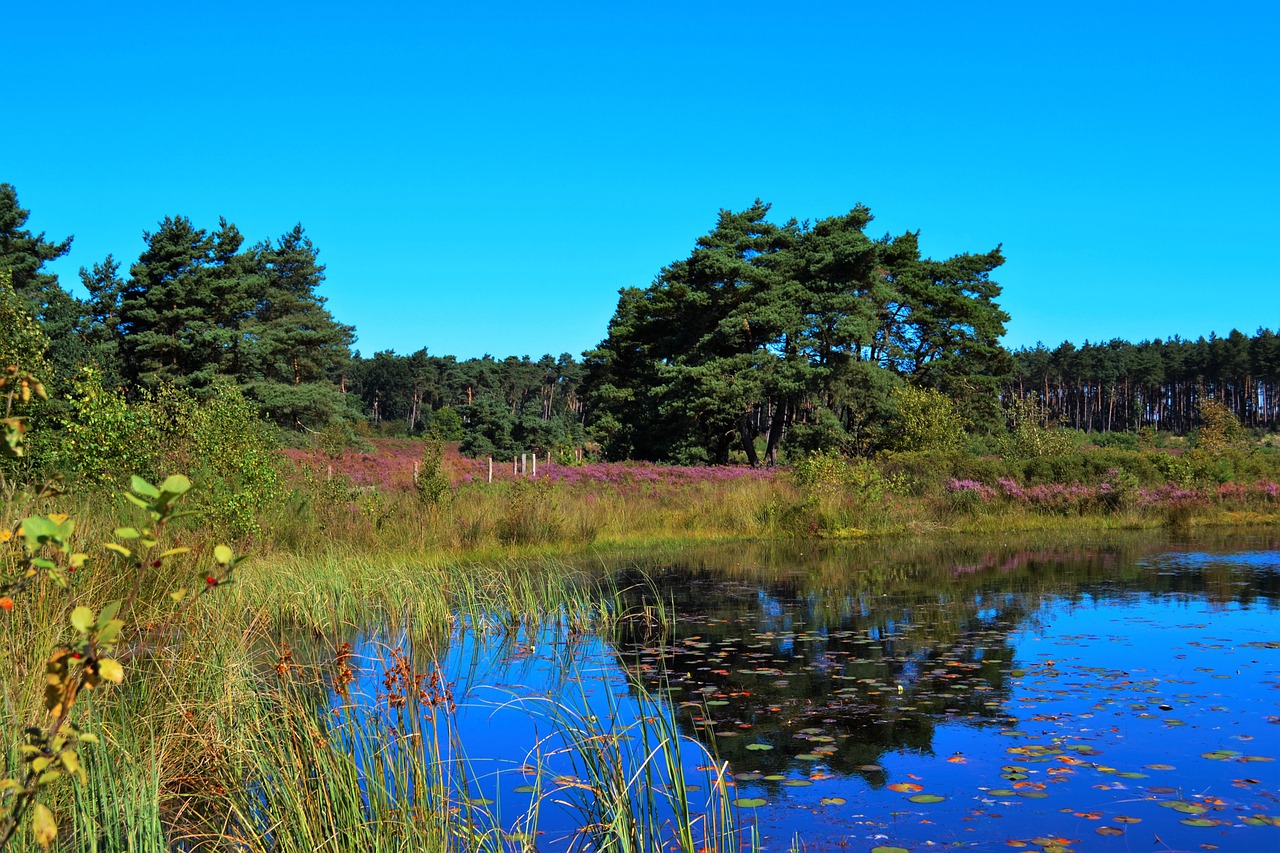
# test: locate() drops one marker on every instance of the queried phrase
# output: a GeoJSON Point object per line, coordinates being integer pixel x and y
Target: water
{"type": "Point", "coordinates": [1114, 696]}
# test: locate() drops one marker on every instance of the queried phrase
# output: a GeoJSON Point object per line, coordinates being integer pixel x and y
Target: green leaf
{"type": "Point", "coordinates": [142, 487]}
{"type": "Point", "coordinates": [108, 612]}
{"type": "Point", "coordinates": [173, 552]}
{"type": "Point", "coordinates": [175, 485]}
{"type": "Point", "coordinates": [82, 619]}
{"type": "Point", "coordinates": [222, 554]}
{"type": "Point", "coordinates": [127, 532]}
{"type": "Point", "coordinates": [110, 632]}
{"type": "Point", "coordinates": [178, 594]}
{"type": "Point", "coordinates": [119, 549]}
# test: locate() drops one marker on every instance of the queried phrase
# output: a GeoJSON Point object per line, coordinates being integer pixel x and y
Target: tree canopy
{"type": "Point", "coordinates": [794, 328]}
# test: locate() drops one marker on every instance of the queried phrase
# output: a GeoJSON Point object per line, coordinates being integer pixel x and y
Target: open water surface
{"type": "Point", "coordinates": [1120, 695]}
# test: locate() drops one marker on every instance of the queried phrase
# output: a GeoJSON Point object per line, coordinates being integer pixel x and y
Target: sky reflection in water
{"type": "Point", "coordinates": [1088, 700]}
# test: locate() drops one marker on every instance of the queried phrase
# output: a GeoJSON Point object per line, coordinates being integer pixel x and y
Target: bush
{"type": "Point", "coordinates": [431, 483]}
{"type": "Point", "coordinates": [104, 439]}
{"type": "Point", "coordinates": [1030, 434]}
{"type": "Point", "coordinates": [924, 419]}
{"type": "Point", "coordinates": [233, 455]}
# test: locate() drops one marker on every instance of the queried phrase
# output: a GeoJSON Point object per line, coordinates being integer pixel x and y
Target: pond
{"type": "Point", "coordinates": [1116, 695]}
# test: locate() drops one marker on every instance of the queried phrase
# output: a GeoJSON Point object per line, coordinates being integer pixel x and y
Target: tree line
{"type": "Point", "coordinates": [768, 338]}
{"type": "Point", "coordinates": [1123, 386]}
{"type": "Point", "coordinates": [493, 407]}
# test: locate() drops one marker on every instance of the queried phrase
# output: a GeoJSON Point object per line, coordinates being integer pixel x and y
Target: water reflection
{"type": "Point", "coordinates": [985, 681]}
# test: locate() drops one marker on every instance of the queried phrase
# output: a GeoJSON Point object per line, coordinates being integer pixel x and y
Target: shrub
{"type": "Point", "coordinates": [924, 419]}
{"type": "Point", "coordinates": [1030, 434]}
{"type": "Point", "coordinates": [103, 435]}
{"type": "Point", "coordinates": [233, 454]}
{"type": "Point", "coordinates": [431, 483]}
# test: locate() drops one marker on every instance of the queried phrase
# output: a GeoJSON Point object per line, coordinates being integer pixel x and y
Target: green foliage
{"type": "Point", "coordinates": [431, 483]}
{"type": "Point", "coordinates": [832, 474]}
{"type": "Point", "coordinates": [234, 456]}
{"type": "Point", "coordinates": [529, 515]}
{"type": "Point", "coordinates": [1030, 435]}
{"type": "Point", "coordinates": [822, 433]}
{"type": "Point", "coordinates": [102, 434]}
{"type": "Point", "coordinates": [445, 425]}
{"type": "Point", "coordinates": [22, 359]}
{"type": "Point", "coordinates": [86, 658]}
{"type": "Point", "coordinates": [60, 315]}
{"type": "Point", "coordinates": [924, 420]}
{"type": "Point", "coordinates": [763, 325]}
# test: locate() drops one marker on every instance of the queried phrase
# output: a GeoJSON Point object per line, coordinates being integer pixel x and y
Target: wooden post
{"type": "Point", "coordinates": [490, 469]}
{"type": "Point", "coordinates": [524, 463]}
{"type": "Point", "coordinates": [415, 472]}
{"type": "Point", "coordinates": [535, 464]}
{"type": "Point", "coordinates": [515, 466]}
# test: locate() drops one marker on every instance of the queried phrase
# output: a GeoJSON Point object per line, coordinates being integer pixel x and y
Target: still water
{"type": "Point", "coordinates": [1115, 695]}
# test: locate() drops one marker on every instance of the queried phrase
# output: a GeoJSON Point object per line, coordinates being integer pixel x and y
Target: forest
{"type": "Point", "coordinates": [767, 342]}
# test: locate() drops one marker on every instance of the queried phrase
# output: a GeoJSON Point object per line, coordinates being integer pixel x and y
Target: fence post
{"type": "Point", "coordinates": [490, 469]}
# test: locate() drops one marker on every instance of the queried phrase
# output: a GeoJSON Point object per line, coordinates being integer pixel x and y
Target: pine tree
{"type": "Point", "coordinates": [295, 348]}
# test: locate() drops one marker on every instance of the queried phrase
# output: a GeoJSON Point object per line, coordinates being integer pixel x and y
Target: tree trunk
{"type": "Point", "coordinates": [748, 439]}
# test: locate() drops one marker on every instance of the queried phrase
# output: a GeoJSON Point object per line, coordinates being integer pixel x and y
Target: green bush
{"type": "Point", "coordinates": [103, 436]}
{"type": "Point", "coordinates": [233, 455]}
{"type": "Point", "coordinates": [924, 419]}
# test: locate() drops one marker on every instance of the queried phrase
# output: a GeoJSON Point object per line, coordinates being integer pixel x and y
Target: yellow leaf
{"type": "Point", "coordinates": [111, 670]}
{"type": "Point", "coordinates": [43, 826]}
{"type": "Point", "coordinates": [58, 517]}
{"type": "Point", "coordinates": [119, 549]}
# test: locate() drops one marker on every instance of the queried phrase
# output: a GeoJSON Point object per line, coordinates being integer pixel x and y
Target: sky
{"type": "Point", "coordinates": [484, 177]}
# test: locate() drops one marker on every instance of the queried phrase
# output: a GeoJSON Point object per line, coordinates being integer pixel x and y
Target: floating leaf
{"type": "Point", "coordinates": [832, 801]}
{"type": "Point", "coordinates": [749, 802]}
{"type": "Point", "coordinates": [886, 849]}
{"type": "Point", "coordinates": [759, 747]}
{"type": "Point", "coordinates": [926, 798]}
{"type": "Point", "coordinates": [1109, 830]}
{"type": "Point", "coordinates": [905, 787]}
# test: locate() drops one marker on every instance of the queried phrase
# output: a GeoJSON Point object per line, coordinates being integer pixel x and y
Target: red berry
{"type": "Point", "coordinates": [211, 581]}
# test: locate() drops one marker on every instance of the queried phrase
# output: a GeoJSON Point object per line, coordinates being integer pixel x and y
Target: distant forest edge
{"type": "Point", "coordinates": [767, 340]}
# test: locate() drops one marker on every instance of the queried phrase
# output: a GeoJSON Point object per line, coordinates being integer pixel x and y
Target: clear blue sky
{"type": "Point", "coordinates": [484, 177]}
